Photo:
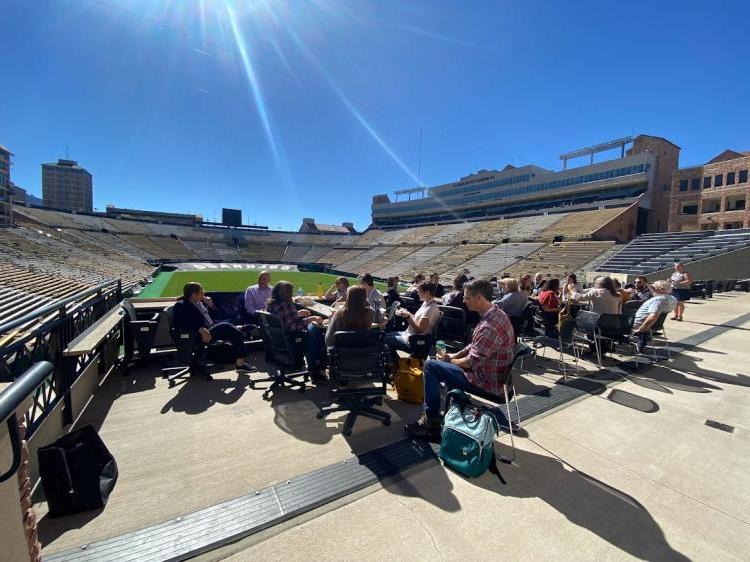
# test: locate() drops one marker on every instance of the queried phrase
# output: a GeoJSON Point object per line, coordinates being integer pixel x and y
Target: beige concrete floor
{"type": "Point", "coordinates": [630, 472]}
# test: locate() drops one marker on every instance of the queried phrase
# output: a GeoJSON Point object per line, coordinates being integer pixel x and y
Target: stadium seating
{"type": "Point", "coordinates": [448, 261]}
{"type": "Point", "coordinates": [497, 259]}
{"type": "Point", "coordinates": [393, 254]}
{"type": "Point", "coordinates": [655, 252]}
{"type": "Point", "coordinates": [581, 225]}
{"type": "Point", "coordinates": [410, 261]}
{"type": "Point", "coordinates": [557, 260]}
{"type": "Point", "coordinates": [355, 264]}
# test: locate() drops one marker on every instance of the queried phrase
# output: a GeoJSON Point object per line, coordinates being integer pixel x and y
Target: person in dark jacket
{"type": "Point", "coordinates": [190, 314]}
{"type": "Point", "coordinates": [456, 298]}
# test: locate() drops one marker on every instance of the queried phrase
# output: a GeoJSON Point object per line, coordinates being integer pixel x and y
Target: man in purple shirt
{"type": "Point", "coordinates": [256, 296]}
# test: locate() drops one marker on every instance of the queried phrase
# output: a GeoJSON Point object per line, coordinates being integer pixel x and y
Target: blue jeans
{"type": "Point", "coordinates": [397, 340]}
{"type": "Point", "coordinates": [436, 372]}
{"type": "Point", "coordinates": [315, 348]}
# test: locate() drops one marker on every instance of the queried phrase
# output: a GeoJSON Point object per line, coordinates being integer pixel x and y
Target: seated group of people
{"type": "Point", "coordinates": [482, 363]}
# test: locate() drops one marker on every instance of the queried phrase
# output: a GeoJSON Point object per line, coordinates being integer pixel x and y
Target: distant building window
{"type": "Point", "coordinates": [730, 178]}
{"type": "Point", "coordinates": [689, 209]}
{"type": "Point", "coordinates": [695, 184]}
{"type": "Point", "coordinates": [706, 182]}
{"type": "Point", "coordinates": [683, 185]}
{"type": "Point", "coordinates": [743, 176]}
{"type": "Point", "coordinates": [718, 180]}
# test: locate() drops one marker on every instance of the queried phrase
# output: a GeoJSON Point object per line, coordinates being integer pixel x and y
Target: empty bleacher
{"type": "Point", "coordinates": [355, 264]}
{"type": "Point", "coordinates": [381, 261]}
{"type": "Point", "coordinates": [580, 225]}
{"type": "Point", "coordinates": [497, 258]}
{"type": "Point", "coordinates": [655, 252]}
{"type": "Point", "coordinates": [557, 260]}
{"type": "Point", "coordinates": [448, 261]}
{"type": "Point", "coordinates": [410, 261]}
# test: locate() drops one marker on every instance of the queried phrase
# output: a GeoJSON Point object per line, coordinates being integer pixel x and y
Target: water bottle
{"type": "Point", "coordinates": [440, 348]}
{"type": "Point", "coordinates": [320, 290]}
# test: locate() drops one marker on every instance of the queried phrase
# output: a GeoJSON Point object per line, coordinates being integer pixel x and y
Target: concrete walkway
{"type": "Point", "coordinates": [630, 472]}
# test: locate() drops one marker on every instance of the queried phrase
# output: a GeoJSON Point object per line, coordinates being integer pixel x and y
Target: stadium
{"type": "Point", "coordinates": [83, 324]}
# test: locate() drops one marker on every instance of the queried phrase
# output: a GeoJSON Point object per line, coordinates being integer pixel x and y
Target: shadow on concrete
{"type": "Point", "coordinates": [611, 514]}
{"type": "Point", "coordinates": [439, 493]}
{"type": "Point", "coordinates": [49, 529]}
{"type": "Point", "coordinates": [294, 414]}
{"type": "Point", "coordinates": [196, 395]}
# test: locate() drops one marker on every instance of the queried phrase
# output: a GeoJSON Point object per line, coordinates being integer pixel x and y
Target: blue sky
{"type": "Point", "coordinates": [288, 109]}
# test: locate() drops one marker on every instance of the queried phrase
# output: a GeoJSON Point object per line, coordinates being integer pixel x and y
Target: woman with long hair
{"type": "Point", "coordinates": [603, 297]}
{"type": "Point", "coordinates": [392, 294]}
{"type": "Point", "coordinates": [280, 304]}
{"type": "Point", "coordinates": [356, 315]}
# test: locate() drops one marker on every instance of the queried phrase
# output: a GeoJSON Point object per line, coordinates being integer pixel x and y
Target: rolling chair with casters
{"type": "Point", "coordinates": [283, 353]}
{"type": "Point", "coordinates": [139, 333]}
{"type": "Point", "coordinates": [356, 358]}
{"type": "Point", "coordinates": [187, 356]}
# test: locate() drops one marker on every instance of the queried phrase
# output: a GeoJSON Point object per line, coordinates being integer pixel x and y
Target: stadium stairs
{"type": "Point", "coordinates": [707, 254]}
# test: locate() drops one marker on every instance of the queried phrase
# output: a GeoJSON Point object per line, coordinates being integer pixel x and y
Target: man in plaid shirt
{"type": "Point", "coordinates": [482, 363]}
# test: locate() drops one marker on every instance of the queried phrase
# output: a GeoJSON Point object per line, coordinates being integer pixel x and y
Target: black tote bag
{"type": "Point", "coordinates": [77, 472]}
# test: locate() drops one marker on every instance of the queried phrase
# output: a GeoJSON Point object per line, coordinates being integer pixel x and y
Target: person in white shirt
{"type": "Point", "coordinates": [648, 313]}
{"type": "Point", "coordinates": [374, 297]}
{"type": "Point", "coordinates": [421, 322]}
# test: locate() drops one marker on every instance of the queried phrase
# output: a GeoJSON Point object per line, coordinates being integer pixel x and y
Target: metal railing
{"type": "Point", "coordinates": [49, 331]}
{"type": "Point", "coordinates": [28, 384]}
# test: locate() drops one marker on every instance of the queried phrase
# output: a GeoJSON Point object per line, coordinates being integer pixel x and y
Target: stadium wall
{"type": "Point", "coordinates": [621, 228]}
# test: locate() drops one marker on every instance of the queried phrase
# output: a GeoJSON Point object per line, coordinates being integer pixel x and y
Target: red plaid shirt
{"type": "Point", "coordinates": [491, 350]}
{"type": "Point", "coordinates": [290, 319]}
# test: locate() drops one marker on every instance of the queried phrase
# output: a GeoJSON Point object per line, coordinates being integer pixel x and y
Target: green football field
{"type": "Point", "coordinates": [169, 284]}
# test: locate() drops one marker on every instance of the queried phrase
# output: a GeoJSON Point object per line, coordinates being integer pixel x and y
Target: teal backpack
{"type": "Point", "coordinates": [469, 432]}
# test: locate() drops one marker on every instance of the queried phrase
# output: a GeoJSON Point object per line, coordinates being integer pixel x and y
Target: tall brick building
{"type": "Point", "coordinates": [713, 196]}
{"type": "Point", "coordinates": [66, 185]}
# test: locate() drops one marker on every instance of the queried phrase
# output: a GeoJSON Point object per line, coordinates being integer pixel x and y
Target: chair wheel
{"type": "Point", "coordinates": [171, 384]}
{"type": "Point", "coordinates": [320, 415]}
{"type": "Point", "coordinates": [387, 421]}
{"type": "Point", "coordinates": [251, 385]}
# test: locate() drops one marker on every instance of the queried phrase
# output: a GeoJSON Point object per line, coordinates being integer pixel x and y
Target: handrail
{"type": "Point", "coordinates": [11, 398]}
{"type": "Point", "coordinates": [8, 326]}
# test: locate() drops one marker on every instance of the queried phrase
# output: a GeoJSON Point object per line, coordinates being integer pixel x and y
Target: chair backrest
{"type": "Point", "coordinates": [658, 326]}
{"type": "Point", "coordinates": [631, 307]}
{"type": "Point", "coordinates": [184, 341]}
{"type": "Point", "coordinates": [129, 309]}
{"type": "Point", "coordinates": [452, 325]}
{"type": "Point", "coordinates": [566, 330]}
{"type": "Point", "coordinates": [392, 309]}
{"type": "Point", "coordinates": [587, 321]}
{"type": "Point", "coordinates": [358, 355]}
{"type": "Point", "coordinates": [615, 325]}
{"type": "Point", "coordinates": [276, 342]}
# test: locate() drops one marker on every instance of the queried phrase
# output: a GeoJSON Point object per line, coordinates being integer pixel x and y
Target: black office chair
{"type": "Point", "coordinates": [421, 344]}
{"type": "Point", "coordinates": [187, 355]}
{"type": "Point", "coordinates": [452, 328]}
{"type": "Point", "coordinates": [657, 331]}
{"type": "Point", "coordinates": [139, 333]}
{"type": "Point", "coordinates": [631, 307]}
{"type": "Point", "coordinates": [284, 354]}
{"type": "Point", "coordinates": [359, 376]}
